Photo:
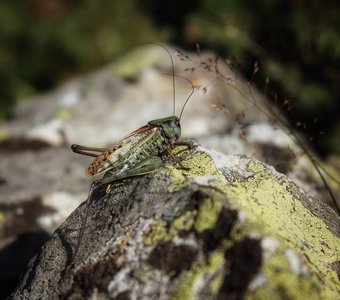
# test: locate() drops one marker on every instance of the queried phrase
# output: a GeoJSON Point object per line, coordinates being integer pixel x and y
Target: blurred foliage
{"type": "Point", "coordinates": [43, 42]}
{"type": "Point", "coordinates": [296, 44]}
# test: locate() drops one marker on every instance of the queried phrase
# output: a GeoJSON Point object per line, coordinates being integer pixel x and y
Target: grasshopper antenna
{"type": "Point", "coordinates": [173, 82]}
{"type": "Point", "coordinates": [192, 91]}
{"type": "Point", "coordinates": [172, 74]}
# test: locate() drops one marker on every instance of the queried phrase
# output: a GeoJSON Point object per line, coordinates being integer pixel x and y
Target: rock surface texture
{"type": "Point", "coordinates": [225, 227]}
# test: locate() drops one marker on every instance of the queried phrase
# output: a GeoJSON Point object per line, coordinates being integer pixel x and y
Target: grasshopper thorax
{"type": "Point", "coordinates": [170, 125]}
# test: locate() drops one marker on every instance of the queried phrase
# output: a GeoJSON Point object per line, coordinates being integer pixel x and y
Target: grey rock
{"type": "Point", "coordinates": [211, 232]}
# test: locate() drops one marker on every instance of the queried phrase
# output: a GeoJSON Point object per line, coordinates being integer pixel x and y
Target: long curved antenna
{"type": "Point", "coordinates": [192, 91]}
{"type": "Point", "coordinates": [173, 75]}
{"type": "Point", "coordinates": [192, 87]}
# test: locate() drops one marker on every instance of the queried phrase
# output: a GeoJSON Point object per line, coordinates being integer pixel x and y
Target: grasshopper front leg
{"type": "Point", "coordinates": [189, 144]}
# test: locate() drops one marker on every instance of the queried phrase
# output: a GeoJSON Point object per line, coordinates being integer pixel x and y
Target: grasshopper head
{"type": "Point", "coordinates": [171, 126]}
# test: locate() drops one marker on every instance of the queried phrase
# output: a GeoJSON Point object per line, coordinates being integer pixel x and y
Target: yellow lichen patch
{"type": "Point", "coordinates": [184, 222]}
{"type": "Point", "coordinates": [197, 165]}
{"type": "Point", "coordinates": [158, 232]}
{"type": "Point", "coordinates": [270, 208]}
{"type": "Point", "coordinates": [178, 180]}
{"type": "Point", "coordinates": [161, 233]}
{"type": "Point", "coordinates": [200, 165]}
{"type": "Point", "coordinates": [208, 213]}
{"type": "Point", "coordinates": [190, 280]}
{"type": "Point", "coordinates": [266, 201]}
{"type": "Point", "coordinates": [282, 283]}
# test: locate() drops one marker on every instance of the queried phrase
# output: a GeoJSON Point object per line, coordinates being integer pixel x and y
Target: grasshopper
{"type": "Point", "coordinates": [139, 153]}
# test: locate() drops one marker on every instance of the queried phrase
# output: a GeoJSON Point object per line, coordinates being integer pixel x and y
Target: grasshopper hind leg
{"type": "Point", "coordinates": [88, 151]}
{"type": "Point", "coordinates": [142, 168]}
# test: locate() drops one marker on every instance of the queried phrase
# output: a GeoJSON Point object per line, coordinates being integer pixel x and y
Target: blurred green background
{"type": "Point", "coordinates": [296, 44]}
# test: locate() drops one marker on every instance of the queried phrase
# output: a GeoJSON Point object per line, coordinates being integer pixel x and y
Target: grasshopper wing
{"type": "Point", "coordinates": [107, 159]}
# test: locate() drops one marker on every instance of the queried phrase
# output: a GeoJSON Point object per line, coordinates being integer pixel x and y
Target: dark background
{"type": "Point", "coordinates": [295, 43]}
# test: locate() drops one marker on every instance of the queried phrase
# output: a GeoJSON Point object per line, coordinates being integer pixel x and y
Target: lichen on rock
{"type": "Point", "coordinates": [222, 227]}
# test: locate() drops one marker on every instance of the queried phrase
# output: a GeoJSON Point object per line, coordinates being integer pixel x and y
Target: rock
{"type": "Point", "coordinates": [42, 181]}
{"type": "Point", "coordinates": [229, 227]}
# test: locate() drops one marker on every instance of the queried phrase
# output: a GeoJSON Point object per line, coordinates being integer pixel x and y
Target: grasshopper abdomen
{"type": "Point", "coordinates": [150, 140]}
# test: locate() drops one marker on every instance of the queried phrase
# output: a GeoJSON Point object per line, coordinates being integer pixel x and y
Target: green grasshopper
{"type": "Point", "coordinates": [139, 153]}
